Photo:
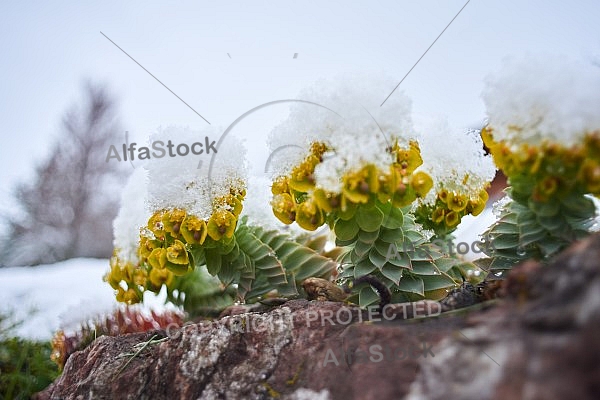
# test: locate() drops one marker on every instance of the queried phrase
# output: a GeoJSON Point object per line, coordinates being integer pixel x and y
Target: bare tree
{"type": "Point", "coordinates": [67, 210]}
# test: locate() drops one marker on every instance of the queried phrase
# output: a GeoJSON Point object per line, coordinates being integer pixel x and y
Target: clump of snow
{"type": "Point", "coordinates": [500, 205]}
{"type": "Point", "coordinates": [454, 158]}
{"type": "Point", "coordinates": [539, 98]}
{"type": "Point", "coordinates": [132, 216]}
{"type": "Point", "coordinates": [177, 182]}
{"type": "Point", "coordinates": [345, 115]}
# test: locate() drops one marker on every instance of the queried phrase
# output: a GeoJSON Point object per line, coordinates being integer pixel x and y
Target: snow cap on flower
{"type": "Point", "coordinates": [454, 158]}
{"type": "Point", "coordinates": [178, 183]}
{"type": "Point", "coordinates": [543, 98]}
{"type": "Point", "coordinates": [347, 118]}
{"type": "Point", "coordinates": [133, 215]}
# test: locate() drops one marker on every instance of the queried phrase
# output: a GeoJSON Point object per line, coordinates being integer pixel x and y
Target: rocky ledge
{"type": "Point", "coordinates": [540, 341]}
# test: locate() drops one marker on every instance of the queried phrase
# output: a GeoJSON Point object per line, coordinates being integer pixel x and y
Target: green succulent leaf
{"type": "Point", "coordinates": [412, 284]}
{"type": "Point", "coordinates": [369, 219]}
{"type": "Point", "coordinates": [367, 296]}
{"type": "Point", "coordinates": [345, 230]}
{"type": "Point", "coordinates": [213, 261]}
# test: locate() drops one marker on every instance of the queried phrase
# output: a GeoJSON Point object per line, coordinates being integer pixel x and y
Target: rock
{"type": "Point", "coordinates": [540, 341]}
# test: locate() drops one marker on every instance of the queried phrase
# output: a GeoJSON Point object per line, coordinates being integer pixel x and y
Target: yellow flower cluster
{"type": "Point", "coordinates": [134, 277]}
{"type": "Point", "coordinates": [449, 208]}
{"type": "Point", "coordinates": [552, 169]}
{"type": "Point", "coordinates": [296, 197]}
{"type": "Point", "coordinates": [165, 245]}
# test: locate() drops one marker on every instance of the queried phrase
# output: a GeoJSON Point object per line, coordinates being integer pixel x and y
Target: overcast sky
{"type": "Point", "coordinates": [226, 57]}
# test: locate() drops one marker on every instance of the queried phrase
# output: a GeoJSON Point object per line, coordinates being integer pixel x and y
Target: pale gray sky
{"type": "Point", "coordinates": [49, 48]}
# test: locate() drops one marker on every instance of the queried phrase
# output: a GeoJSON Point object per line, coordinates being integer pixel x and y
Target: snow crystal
{"type": "Point", "coordinates": [178, 182]}
{"type": "Point", "coordinates": [347, 117]}
{"type": "Point", "coordinates": [500, 205]}
{"type": "Point", "coordinates": [132, 215]}
{"type": "Point", "coordinates": [454, 158]}
{"type": "Point", "coordinates": [540, 98]}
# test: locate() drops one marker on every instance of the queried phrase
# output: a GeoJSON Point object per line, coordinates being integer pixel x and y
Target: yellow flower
{"type": "Point", "coordinates": [358, 185]}
{"type": "Point", "coordinates": [139, 276]}
{"type": "Point", "coordinates": [403, 194]}
{"type": "Point", "coordinates": [232, 203]}
{"type": "Point", "coordinates": [114, 276]}
{"type": "Point", "coordinates": [175, 258]}
{"type": "Point", "coordinates": [318, 149]}
{"type": "Point", "coordinates": [445, 196]}
{"type": "Point", "coordinates": [326, 201]}
{"type": "Point", "coordinates": [130, 296]}
{"type": "Point", "coordinates": [172, 221]}
{"type": "Point", "coordinates": [457, 202]}
{"type": "Point", "coordinates": [476, 206]}
{"type": "Point", "coordinates": [309, 216]}
{"type": "Point", "coordinates": [422, 183]}
{"type": "Point", "coordinates": [238, 190]}
{"type": "Point", "coordinates": [486, 136]}
{"type": "Point", "coordinates": [146, 247]}
{"type": "Point", "coordinates": [437, 216]}
{"type": "Point", "coordinates": [221, 224]}
{"type": "Point", "coordinates": [284, 208]}
{"type": "Point", "coordinates": [158, 258]}
{"type": "Point", "coordinates": [156, 226]}
{"type": "Point", "coordinates": [409, 159]}
{"type": "Point", "coordinates": [193, 230]}
{"type": "Point", "coordinates": [452, 219]}
{"type": "Point", "coordinates": [158, 277]}
{"type": "Point", "coordinates": [280, 185]}
{"type": "Point", "coordinates": [177, 253]}
{"type": "Point", "coordinates": [302, 175]}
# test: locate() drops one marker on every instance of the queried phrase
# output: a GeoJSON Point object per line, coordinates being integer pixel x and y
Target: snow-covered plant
{"type": "Point", "coordinates": [176, 223]}
{"type": "Point", "coordinates": [544, 134]}
{"type": "Point", "coordinates": [363, 173]}
{"type": "Point", "coordinates": [462, 172]}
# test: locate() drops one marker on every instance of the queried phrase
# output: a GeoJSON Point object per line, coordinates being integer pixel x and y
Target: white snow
{"type": "Point", "coordinates": [60, 296]}
{"type": "Point", "coordinates": [132, 216]}
{"type": "Point", "coordinates": [347, 117]}
{"type": "Point", "coordinates": [454, 158]}
{"type": "Point", "coordinates": [543, 97]}
{"type": "Point", "coordinates": [469, 231]}
{"type": "Point", "coordinates": [177, 182]}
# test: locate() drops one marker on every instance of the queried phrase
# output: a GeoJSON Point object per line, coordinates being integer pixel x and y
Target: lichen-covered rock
{"type": "Point", "coordinates": [541, 341]}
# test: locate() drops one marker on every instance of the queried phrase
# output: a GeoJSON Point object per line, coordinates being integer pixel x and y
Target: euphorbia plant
{"type": "Point", "coordinates": [364, 175]}
{"type": "Point", "coordinates": [544, 134]}
{"type": "Point", "coordinates": [183, 231]}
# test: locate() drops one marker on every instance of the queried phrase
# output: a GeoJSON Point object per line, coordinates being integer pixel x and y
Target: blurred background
{"type": "Point", "coordinates": [68, 92]}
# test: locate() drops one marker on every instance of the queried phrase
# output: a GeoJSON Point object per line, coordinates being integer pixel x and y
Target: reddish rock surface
{"type": "Point", "coordinates": [541, 341]}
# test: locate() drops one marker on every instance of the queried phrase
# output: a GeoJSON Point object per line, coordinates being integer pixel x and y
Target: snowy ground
{"type": "Point", "coordinates": [61, 295]}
